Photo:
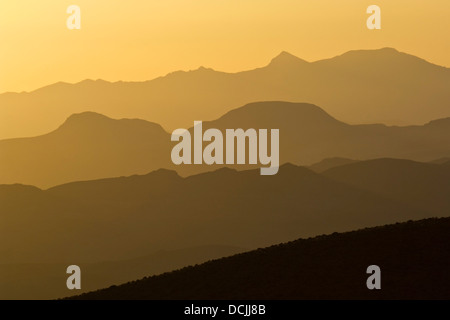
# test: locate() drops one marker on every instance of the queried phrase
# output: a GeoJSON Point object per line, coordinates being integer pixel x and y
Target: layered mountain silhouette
{"type": "Point", "coordinates": [362, 86]}
{"type": "Point", "coordinates": [101, 191]}
{"type": "Point", "coordinates": [411, 256]}
{"type": "Point", "coordinates": [329, 163]}
{"type": "Point", "coordinates": [86, 146]}
{"type": "Point", "coordinates": [48, 280]}
{"type": "Point", "coordinates": [422, 185]}
{"type": "Point", "coordinates": [123, 218]}
{"type": "Point", "coordinates": [118, 219]}
{"type": "Point", "coordinates": [90, 146]}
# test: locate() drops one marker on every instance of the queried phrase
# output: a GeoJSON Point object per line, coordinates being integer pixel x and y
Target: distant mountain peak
{"type": "Point", "coordinates": [84, 120]}
{"type": "Point", "coordinates": [91, 81]}
{"type": "Point", "coordinates": [89, 121]}
{"type": "Point", "coordinates": [87, 115]}
{"type": "Point", "coordinates": [381, 53]}
{"type": "Point", "coordinates": [286, 59]}
{"type": "Point", "coordinates": [286, 55]}
{"type": "Point", "coordinates": [387, 49]}
{"type": "Point", "coordinates": [164, 173]}
{"type": "Point", "coordinates": [295, 110]}
{"type": "Point", "coordinates": [202, 68]}
{"type": "Point", "coordinates": [384, 50]}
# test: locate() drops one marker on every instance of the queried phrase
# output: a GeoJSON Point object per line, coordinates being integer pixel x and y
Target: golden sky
{"type": "Point", "coordinates": [143, 39]}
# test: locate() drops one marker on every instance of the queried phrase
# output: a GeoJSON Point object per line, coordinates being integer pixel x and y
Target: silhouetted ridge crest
{"type": "Point", "coordinates": [164, 173]}
{"type": "Point", "coordinates": [285, 59]}
{"type": "Point", "coordinates": [96, 120]}
{"type": "Point", "coordinates": [86, 116]}
{"type": "Point", "coordinates": [274, 114]}
{"type": "Point", "coordinates": [408, 252]}
{"type": "Point", "coordinates": [444, 122]}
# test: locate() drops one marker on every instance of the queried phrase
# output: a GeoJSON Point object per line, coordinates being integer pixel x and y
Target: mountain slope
{"type": "Point", "coordinates": [47, 281]}
{"type": "Point", "coordinates": [122, 218]}
{"type": "Point", "coordinates": [91, 146]}
{"type": "Point", "coordinates": [411, 257]}
{"type": "Point", "coordinates": [422, 185]}
{"type": "Point", "coordinates": [86, 146]}
{"type": "Point", "coordinates": [308, 134]}
{"type": "Point", "coordinates": [329, 163]}
{"type": "Point", "coordinates": [363, 86]}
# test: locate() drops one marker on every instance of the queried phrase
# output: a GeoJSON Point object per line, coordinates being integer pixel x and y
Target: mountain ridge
{"type": "Point", "coordinates": [371, 86]}
{"type": "Point", "coordinates": [92, 219]}
{"type": "Point", "coordinates": [329, 266]}
{"type": "Point", "coordinates": [90, 146]}
{"type": "Point", "coordinates": [43, 281]}
{"type": "Point", "coordinates": [283, 56]}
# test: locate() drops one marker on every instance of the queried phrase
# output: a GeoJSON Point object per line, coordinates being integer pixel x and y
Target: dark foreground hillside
{"type": "Point", "coordinates": [413, 257]}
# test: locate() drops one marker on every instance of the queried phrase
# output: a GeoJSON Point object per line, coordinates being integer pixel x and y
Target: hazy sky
{"type": "Point", "coordinates": [143, 39]}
